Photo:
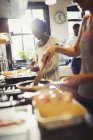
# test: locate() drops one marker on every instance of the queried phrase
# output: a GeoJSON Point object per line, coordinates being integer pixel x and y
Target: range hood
{"type": "Point", "coordinates": [12, 8]}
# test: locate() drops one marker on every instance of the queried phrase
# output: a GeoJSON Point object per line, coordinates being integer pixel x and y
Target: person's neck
{"type": "Point", "coordinates": [45, 38]}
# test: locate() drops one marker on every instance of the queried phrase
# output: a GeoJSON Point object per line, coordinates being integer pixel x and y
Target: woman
{"type": "Point", "coordinates": [44, 42]}
{"type": "Point", "coordinates": [84, 45]}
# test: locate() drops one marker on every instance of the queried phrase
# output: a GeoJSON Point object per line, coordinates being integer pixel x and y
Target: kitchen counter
{"type": "Point", "coordinates": [83, 131]}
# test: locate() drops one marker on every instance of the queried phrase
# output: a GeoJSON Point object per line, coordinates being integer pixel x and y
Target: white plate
{"type": "Point", "coordinates": [26, 85]}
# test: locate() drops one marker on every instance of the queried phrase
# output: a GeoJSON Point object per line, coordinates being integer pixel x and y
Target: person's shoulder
{"type": "Point", "coordinates": [53, 38]}
{"type": "Point", "coordinates": [71, 38]}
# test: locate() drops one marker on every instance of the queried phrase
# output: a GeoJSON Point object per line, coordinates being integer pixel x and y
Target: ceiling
{"type": "Point", "coordinates": [12, 8]}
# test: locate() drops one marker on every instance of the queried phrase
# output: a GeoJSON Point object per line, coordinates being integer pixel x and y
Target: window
{"type": "Point", "coordinates": [74, 16]}
{"type": "Point", "coordinates": [22, 38]}
{"type": "Point", "coordinates": [20, 29]}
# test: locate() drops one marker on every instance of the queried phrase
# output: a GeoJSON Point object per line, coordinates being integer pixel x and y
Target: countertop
{"type": "Point", "coordinates": [83, 131]}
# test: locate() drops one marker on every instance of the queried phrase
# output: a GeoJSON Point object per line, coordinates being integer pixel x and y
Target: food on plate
{"type": "Point", "coordinates": [8, 73]}
{"type": "Point", "coordinates": [55, 102]}
{"type": "Point", "coordinates": [21, 71]}
{"type": "Point", "coordinates": [18, 73]}
{"type": "Point", "coordinates": [24, 72]}
{"type": "Point", "coordinates": [29, 85]}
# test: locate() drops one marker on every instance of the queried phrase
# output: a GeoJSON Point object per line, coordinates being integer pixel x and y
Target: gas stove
{"type": "Point", "coordinates": [11, 96]}
{"type": "Point", "coordinates": [9, 89]}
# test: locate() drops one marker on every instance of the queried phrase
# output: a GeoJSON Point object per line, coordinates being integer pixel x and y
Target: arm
{"type": "Point", "coordinates": [75, 80]}
{"type": "Point", "coordinates": [87, 78]}
{"type": "Point", "coordinates": [69, 51]}
{"type": "Point", "coordinates": [75, 50]}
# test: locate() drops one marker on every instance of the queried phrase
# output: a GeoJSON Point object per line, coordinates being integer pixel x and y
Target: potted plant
{"type": "Point", "coordinates": [23, 55]}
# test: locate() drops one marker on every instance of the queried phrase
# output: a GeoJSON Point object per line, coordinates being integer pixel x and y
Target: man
{"type": "Point", "coordinates": [45, 42]}
{"type": "Point", "coordinates": [76, 61]}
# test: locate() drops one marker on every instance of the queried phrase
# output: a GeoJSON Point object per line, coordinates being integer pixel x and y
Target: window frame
{"type": "Point", "coordinates": [41, 5]}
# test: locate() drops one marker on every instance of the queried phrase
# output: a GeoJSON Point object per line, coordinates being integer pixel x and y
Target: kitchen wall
{"type": "Point", "coordinates": [60, 31]}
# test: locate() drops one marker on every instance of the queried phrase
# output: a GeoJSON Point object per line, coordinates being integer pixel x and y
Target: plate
{"type": "Point", "coordinates": [15, 76]}
{"type": "Point", "coordinates": [29, 87]}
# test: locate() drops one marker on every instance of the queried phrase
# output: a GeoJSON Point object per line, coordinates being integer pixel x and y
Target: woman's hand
{"type": "Point", "coordinates": [35, 68]}
{"type": "Point", "coordinates": [33, 62]}
{"type": "Point", "coordinates": [72, 81]}
{"type": "Point", "coordinates": [47, 55]}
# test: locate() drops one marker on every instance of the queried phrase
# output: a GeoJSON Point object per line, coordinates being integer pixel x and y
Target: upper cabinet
{"type": "Point", "coordinates": [12, 8]}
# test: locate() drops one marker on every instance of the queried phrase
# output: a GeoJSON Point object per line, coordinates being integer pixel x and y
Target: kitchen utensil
{"type": "Point", "coordinates": [39, 76]}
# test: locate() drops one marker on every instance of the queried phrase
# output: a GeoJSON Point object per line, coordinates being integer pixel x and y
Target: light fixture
{"type": "Point", "coordinates": [50, 2]}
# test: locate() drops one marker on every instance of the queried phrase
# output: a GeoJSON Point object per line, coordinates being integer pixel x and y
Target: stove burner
{"type": "Point", "coordinates": [10, 89]}
{"type": "Point", "coordinates": [11, 96]}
